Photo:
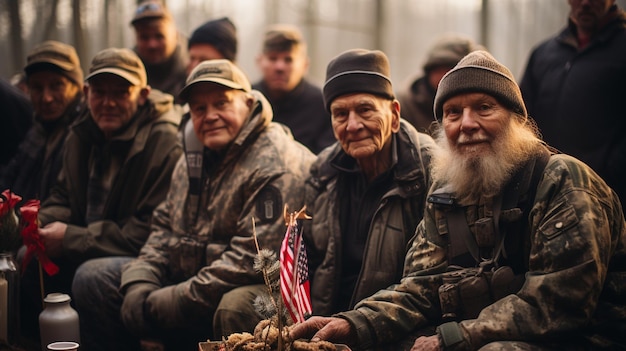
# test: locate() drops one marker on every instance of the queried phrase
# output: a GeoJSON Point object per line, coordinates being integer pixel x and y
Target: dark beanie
{"type": "Point", "coordinates": [480, 72]}
{"type": "Point", "coordinates": [220, 33]}
{"type": "Point", "coordinates": [448, 50]}
{"type": "Point", "coordinates": [357, 71]}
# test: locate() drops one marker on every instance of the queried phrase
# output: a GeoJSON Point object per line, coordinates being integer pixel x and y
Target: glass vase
{"type": "Point", "coordinates": [9, 299]}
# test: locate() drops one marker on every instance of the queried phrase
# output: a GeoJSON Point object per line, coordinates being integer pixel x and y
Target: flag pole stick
{"type": "Point", "coordinates": [43, 304]}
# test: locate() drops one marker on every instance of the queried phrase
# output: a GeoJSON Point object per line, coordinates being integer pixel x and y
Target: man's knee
{"type": "Point", "coordinates": [236, 312]}
{"type": "Point", "coordinates": [100, 276]}
{"type": "Point", "coordinates": [85, 277]}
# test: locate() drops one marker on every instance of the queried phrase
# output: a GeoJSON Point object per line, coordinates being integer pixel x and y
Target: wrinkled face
{"type": "Point", "coordinates": [218, 113]}
{"type": "Point", "coordinates": [51, 93]}
{"type": "Point", "coordinates": [363, 123]}
{"type": "Point", "coordinates": [202, 52]}
{"type": "Point", "coordinates": [283, 70]}
{"type": "Point", "coordinates": [587, 14]}
{"type": "Point", "coordinates": [472, 122]}
{"type": "Point", "coordinates": [113, 101]}
{"type": "Point", "coordinates": [155, 40]}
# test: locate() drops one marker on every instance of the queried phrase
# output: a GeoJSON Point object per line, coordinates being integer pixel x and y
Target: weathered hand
{"type": "Point", "coordinates": [331, 329]}
{"type": "Point", "coordinates": [427, 343]}
{"type": "Point", "coordinates": [52, 236]}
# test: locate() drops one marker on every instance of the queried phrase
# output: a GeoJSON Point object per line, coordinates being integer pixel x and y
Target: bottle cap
{"type": "Point", "coordinates": [56, 298]}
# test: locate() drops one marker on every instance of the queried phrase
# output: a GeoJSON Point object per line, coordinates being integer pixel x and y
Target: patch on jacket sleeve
{"type": "Point", "coordinates": [269, 204]}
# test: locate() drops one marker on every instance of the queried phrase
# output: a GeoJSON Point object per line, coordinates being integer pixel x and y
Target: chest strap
{"type": "Point", "coordinates": [194, 151]}
{"type": "Point", "coordinates": [519, 193]}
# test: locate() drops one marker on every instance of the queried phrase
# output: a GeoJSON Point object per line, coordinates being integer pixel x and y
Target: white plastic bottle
{"type": "Point", "coordinates": [58, 321]}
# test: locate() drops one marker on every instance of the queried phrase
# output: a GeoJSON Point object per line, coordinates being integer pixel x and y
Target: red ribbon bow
{"type": "Point", "coordinates": [32, 240]}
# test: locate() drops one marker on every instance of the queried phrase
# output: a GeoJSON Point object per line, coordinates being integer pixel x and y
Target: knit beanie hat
{"type": "Point", "coordinates": [358, 71]}
{"type": "Point", "coordinates": [220, 33]}
{"type": "Point", "coordinates": [480, 72]}
{"type": "Point", "coordinates": [448, 50]}
{"type": "Point", "coordinates": [55, 56]}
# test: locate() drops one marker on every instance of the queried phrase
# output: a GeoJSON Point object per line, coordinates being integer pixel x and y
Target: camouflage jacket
{"type": "Point", "coordinates": [392, 227]}
{"type": "Point", "coordinates": [262, 170]}
{"type": "Point", "coordinates": [575, 279]}
{"type": "Point", "coordinates": [147, 150]}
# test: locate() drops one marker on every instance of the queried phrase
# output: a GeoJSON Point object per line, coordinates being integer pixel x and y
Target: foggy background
{"type": "Point", "coordinates": [403, 29]}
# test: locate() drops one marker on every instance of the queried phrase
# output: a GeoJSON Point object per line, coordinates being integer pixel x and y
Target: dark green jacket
{"type": "Point", "coordinates": [149, 147]}
{"type": "Point", "coordinates": [392, 227]}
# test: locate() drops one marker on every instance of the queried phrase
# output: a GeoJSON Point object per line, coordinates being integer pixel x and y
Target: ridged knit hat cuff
{"type": "Point", "coordinates": [480, 72]}
{"type": "Point", "coordinates": [358, 71]}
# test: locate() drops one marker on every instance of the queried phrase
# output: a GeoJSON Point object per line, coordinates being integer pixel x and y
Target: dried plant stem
{"type": "Point", "coordinates": [43, 304]}
{"type": "Point", "coordinates": [265, 277]}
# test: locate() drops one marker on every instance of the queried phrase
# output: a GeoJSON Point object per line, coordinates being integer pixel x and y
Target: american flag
{"type": "Point", "coordinates": [294, 281]}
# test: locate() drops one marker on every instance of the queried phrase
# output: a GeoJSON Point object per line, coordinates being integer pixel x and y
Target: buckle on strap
{"type": "Point", "coordinates": [450, 333]}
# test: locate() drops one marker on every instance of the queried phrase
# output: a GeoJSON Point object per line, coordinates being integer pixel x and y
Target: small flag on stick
{"type": "Point", "coordinates": [294, 268]}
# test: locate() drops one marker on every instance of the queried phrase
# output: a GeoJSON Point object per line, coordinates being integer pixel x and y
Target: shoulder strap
{"type": "Point", "coordinates": [525, 182]}
{"type": "Point", "coordinates": [194, 151]}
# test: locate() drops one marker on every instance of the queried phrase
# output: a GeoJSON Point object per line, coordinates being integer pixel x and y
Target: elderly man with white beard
{"type": "Point", "coordinates": [519, 248]}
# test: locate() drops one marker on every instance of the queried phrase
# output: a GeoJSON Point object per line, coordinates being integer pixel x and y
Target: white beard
{"type": "Point", "coordinates": [473, 176]}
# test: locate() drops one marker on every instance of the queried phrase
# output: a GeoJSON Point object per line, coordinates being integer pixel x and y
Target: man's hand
{"type": "Point", "coordinates": [132, 311]}
{"type": "Point", "coordinates": [427, 343]}
{"type": "Point", "coordinates": [163, 307]}
{"type": "Point", "coordinates": [337, 330]}
{"type": "Point", "coordinates": [52, 236]}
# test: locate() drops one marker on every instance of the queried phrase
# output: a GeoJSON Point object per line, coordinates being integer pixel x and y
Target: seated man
{"type": "Point", "coordinates": [519, 249]}
{"type": "Point", "coordinates": [161, 47]}
{"type": "Point", "coordinates": [55, 82]}
{"type": "Point", "coordinates": [15, 121]}
{"type": "Point", "coordinates": [297, 103]}
{"type": "Point", "coordinates": [195, 273]}
{"type": "Point", "coordinates": [214, 39]}
{"type": "Point", "coordinates": [366, 194]}
{"type": "Point", "coordinates": [117, 163]}
{"type": "Point", "coordinates": [418, 96]}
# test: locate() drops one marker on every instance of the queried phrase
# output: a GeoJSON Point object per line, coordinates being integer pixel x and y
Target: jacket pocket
{"type": "Point", "coordinates": [559, 220]}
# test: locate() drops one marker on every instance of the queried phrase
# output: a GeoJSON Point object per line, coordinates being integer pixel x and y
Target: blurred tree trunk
{"type": "Point", "coordinates": [16, 34]}
{"type": "Point", "coordinates": [78, 32]}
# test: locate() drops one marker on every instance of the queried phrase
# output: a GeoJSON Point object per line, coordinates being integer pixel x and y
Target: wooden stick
{"type": "Point", "coordinates": [43, 304]}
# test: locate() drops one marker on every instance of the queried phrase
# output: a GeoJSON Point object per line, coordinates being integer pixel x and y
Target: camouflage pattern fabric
{"type": "Point", "coordinates": [261, 171]}
{"type": "Point", "coordinates": [575, 286]}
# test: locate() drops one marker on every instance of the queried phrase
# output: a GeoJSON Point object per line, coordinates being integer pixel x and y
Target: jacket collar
{"type": "Point", "coordinates": [616, 22]}
{"type": "Point", "coordinates": [408, 168]}
{"type": "Point", "coordinates": [258, 120]}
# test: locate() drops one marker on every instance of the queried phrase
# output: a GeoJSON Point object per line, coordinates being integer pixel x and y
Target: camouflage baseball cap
{"type": "Point", "coordinates": [121, 62]}
{"type": "Point", "coordinates": [222, 72]}
{"type": "Point", "coordinates": [150, 9]}
{"type": "Point", "coordinates": [58, 56]}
